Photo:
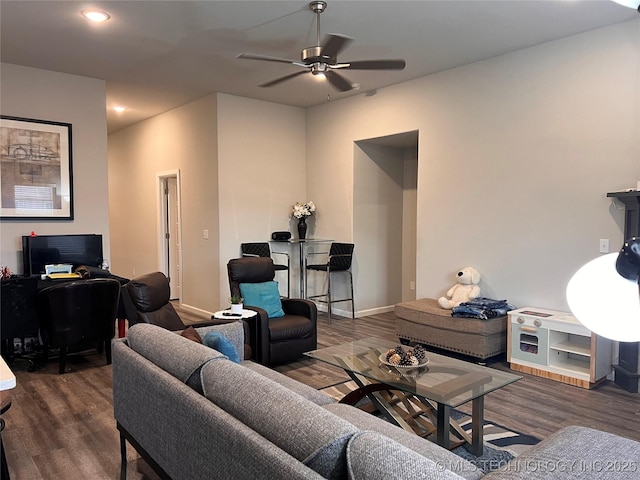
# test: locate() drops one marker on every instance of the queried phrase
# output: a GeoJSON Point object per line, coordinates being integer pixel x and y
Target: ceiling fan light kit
{"type": "Point", "coordinates": [322, 60]}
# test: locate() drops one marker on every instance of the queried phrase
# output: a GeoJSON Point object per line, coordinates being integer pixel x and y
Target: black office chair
{"type": "Point", "coordinates": [281, 339]}
{"type": "Point", "coordinates": [262, 249]}
{"type": "Point", "coordinates": [78, 315]}
{"type": "Point", "coordinates": [18, 318]}
{"type": "Point", "coordinates": [340, 258]}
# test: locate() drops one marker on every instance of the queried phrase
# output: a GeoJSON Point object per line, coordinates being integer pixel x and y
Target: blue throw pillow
{"type": "Point", "coordinates": [264, 295]}
{"type": "Point", "coordinates": [219, 342]}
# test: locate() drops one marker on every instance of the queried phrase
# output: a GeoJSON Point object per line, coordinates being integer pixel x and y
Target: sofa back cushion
{"type": "Point", "coordinates": [373, 456]}
{"type": "Point", "coordinates": [173, 353]}
{"type": "Point", "coordinates": [434, 452]}
{"type": "Point", "coordinates": [301, 428]}
{"type": "Point", "coordinates": [305, 391]}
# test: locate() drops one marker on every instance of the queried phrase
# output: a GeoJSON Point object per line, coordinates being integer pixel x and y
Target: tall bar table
{"type": "Point", "coordinates": [302, 245]}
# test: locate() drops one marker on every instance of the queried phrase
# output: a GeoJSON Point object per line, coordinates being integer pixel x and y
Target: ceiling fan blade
{"type": "Point", "coordinates": [338, 81]}
{"type": "Point", "coordinates": [398, 64]}
{"type": "Point", "coordinates": [283, 79]}
{"type": "Point", "coordinates": [268, 58]}
{"type": "Point", "coordinates": [334, 44]}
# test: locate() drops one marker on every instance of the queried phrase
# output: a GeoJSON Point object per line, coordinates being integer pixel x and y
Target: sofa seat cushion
{"type": "Point", "coordinates": [288, 327]}
{"type": "Point", "coordinates": [372, 456]}
{"type": "Point", "coordinates": [171, 352]}
{"type": "Point", "coordinates": [366, 421]}
{"type": "Point", "coordinates": [304, 430]}
{"type": "Point", "coordinates": [305, 391]}
{"type": "Point", "coordinates": [575, 453]}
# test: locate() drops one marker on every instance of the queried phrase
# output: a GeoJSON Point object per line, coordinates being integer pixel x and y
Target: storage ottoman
{"type": "Point", "coordinates": [424, 321]}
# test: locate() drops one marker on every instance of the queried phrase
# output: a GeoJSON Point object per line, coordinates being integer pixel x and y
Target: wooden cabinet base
{"type": "Point", "coordinates": [555, 376]}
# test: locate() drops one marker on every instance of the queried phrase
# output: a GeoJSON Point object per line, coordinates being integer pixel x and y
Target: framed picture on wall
{"type": "Point", "coordinates": [36, 180]}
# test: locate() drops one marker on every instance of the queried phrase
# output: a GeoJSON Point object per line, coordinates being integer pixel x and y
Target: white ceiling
{"type": "Point", "coordinates": [157, 55]}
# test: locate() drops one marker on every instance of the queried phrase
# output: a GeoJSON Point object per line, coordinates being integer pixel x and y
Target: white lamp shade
{"type": "Point", "coordinates": [604, 301]}
{"type": "Point", "coordinates": [629, 3]}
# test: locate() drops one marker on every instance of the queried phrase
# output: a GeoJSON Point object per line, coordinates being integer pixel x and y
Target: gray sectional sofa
{"type": "Point", "coordinates": [194, 414]}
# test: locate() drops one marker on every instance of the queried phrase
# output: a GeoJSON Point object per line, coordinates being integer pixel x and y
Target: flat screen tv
{"type": "Point", "coordinates": [51, 249]}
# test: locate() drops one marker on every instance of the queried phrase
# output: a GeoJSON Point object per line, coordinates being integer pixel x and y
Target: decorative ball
{"type": "Point", "coordinates": [420, 352]}
{"type": "Point", "coordinates": [409, 361]}
{"type": "Point", "coordinates": [395, 359]}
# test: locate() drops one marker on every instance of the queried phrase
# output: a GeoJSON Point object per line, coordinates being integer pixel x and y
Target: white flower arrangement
{"type": "Point", "coordinates": [302, 210]}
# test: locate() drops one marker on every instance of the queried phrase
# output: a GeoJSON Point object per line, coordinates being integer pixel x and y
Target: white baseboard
{"type": "Point", "coordinates": [196, 311]}
{"type": "Point", "coordinates": [322, 307]}
{"type": "Point", "coordinates": [375, 311]}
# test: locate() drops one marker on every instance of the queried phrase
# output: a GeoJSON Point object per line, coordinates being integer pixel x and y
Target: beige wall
{"type": "Point", "coordinates": [516, 155]}
{"type": "Point", "coordinates": [242, 164]}
{"type": "Point", "coordinates": [261, 153]}
{"type": "Point", "coordinates": [44, 95]}
{"type": "Point", "coordinates": [183, 139]}
{"type": "Point", "coordinates": [409, 223]}
{"type": "Point", "coordinates": [378, 222]}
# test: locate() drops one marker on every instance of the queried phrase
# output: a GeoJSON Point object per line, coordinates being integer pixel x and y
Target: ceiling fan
{"type": "Point", "coordinates": [321, 60]}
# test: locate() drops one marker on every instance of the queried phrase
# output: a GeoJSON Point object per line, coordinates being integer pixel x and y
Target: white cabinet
{"type": "Point", "coordinates": [555, 345]}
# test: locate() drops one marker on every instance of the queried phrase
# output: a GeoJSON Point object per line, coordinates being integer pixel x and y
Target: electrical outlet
{"type": "Point", "coordinates": [412, 285]}
{"type": "Point", "coordinates": [604, 245]}
{"type": "Point", "coordinates": [205, 234]}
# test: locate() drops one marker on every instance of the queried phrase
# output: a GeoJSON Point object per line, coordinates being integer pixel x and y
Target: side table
{"type": "Point", "coordinates": [227, 315]}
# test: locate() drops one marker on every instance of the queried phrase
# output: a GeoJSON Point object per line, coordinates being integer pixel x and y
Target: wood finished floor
{"type": "Point", "coordinates": [62, 426]}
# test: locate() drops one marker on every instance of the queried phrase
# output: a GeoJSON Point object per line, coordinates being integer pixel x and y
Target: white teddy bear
{"type": "Point", "coordinates": [466, 289]}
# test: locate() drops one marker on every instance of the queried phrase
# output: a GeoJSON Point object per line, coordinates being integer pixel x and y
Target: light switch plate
{"type": "Point", "coordinates": [604, 245]}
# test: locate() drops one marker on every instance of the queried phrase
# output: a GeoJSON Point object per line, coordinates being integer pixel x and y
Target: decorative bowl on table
{"type": "Point", "coordinates": [405, 357]}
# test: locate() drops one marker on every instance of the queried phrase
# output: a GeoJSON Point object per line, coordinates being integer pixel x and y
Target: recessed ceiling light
{"type": "Point", "coordinates": [119, 108]}
{"type": "Point", "coordinates": [94, 15]}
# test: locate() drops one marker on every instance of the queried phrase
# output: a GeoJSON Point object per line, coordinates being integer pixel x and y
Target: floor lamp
{"type": "Point", "coordinates": [604, 295]}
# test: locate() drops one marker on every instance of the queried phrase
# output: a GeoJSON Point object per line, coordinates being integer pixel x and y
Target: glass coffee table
{"type": "Point", "coordinates": [418, 399]}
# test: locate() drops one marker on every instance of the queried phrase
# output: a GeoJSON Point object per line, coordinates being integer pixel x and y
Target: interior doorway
{"type": "Point", "coordinates": [170, 229]}
{"type": "Point", "coordinates": [385, 220]}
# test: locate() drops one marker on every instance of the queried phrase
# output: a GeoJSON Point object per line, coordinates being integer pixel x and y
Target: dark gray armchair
{"type": "Point", "coordinates": [275, 340]}
{"type": "Point", "coordinates": [146, 300]}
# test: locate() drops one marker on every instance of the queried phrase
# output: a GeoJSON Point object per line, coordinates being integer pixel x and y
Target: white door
{"type": "Point", "coordinates": [173, 242]}
{"type": "Point", "coordinates": [169, 228]}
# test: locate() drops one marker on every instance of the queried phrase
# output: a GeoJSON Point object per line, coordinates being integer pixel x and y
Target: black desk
{"type": "Point", "coordinates": [122, 311]}
{"type": "Point", "coordinates": [19, 318]}
{"type": "Point", "coordinates": [18, 314]}
{"type": "Point", "coordinates": [50, 282]}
